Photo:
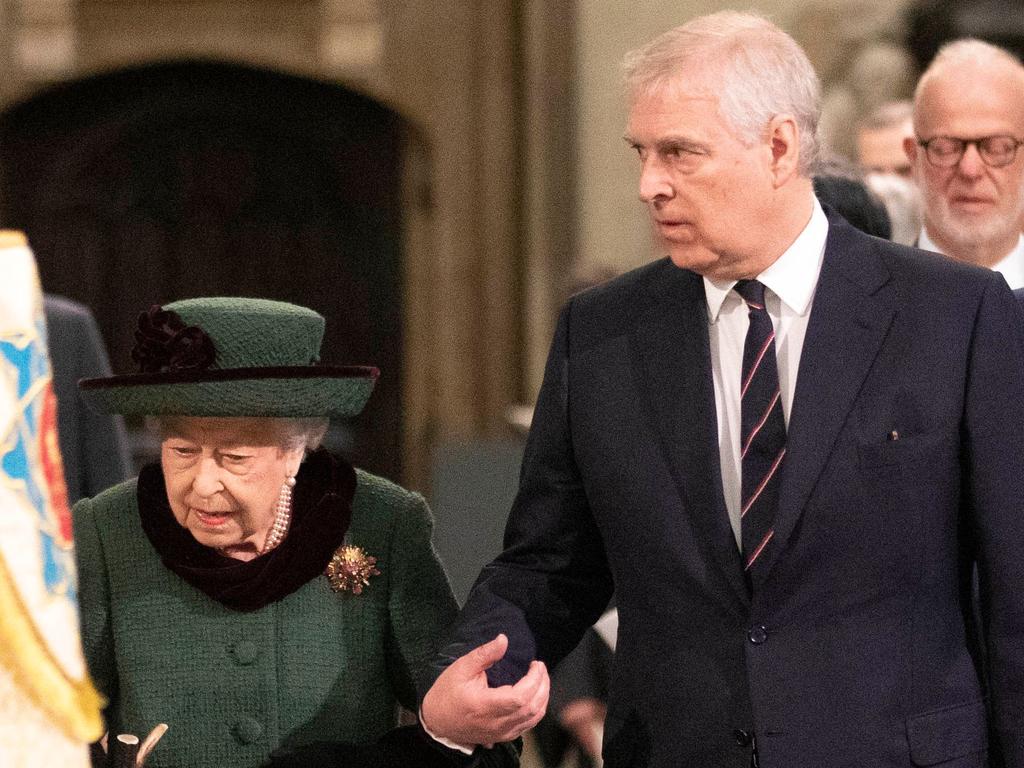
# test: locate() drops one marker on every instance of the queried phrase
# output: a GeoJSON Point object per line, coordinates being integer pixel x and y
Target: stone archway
{"type": "Point", "coordinates": [200, 178]}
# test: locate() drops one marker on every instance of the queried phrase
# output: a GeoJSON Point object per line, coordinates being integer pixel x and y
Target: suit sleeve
{"type": "Point", "coordinates": [94, 601]}
{"type": "Point", "coordinates": [993, 456]}
{"type": "Point", "coordinates": [421, 603]}
{"type": "Point", "coordinates": [552, 580]}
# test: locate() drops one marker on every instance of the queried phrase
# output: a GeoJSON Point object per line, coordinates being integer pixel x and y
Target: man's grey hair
{"type": "Point", "coordinates": [967, 51]}
{"type": "Point", "coordinates": [756, 70]}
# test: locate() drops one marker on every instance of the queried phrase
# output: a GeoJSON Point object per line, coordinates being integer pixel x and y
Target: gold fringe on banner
{"type": "Point", "coordinates": [73, 705]}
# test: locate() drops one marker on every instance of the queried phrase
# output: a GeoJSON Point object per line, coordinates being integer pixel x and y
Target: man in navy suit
{"type": "Point", "coordinates": [785, 446]}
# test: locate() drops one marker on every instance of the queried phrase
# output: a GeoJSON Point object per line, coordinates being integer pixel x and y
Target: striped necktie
{"type": "Point", "coordinates": [762, 430]}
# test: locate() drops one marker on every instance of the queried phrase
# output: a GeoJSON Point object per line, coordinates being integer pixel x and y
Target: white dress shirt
{"type": "Point", "coordinates": [789, 283]}
{"type": "Point", "coordinates": [1011, 266]}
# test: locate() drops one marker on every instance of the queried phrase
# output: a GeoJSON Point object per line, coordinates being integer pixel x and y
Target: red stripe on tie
{"type": "Point", "coordinates": [757, 363]}
{"type": "Point", "coordinates": [760, 424]}
{"type": "Point", "coordinates": [761, 487]}
{"type": "Point", "coordinates": [759, 550]}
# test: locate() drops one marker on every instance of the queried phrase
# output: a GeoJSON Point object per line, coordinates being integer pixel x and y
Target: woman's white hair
{"type": "Point", "coordinates": [304, 433]}
{"type": "Point", "coordinates": [755, 69]}
{"type": "Point", "coordinates": [293, 434]}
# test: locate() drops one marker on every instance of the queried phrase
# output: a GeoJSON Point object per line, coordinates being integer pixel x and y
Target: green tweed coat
{"type": "Point", "coordinates": [233, 686]}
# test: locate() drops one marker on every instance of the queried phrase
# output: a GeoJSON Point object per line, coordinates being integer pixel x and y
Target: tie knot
{"type": "Point", "coordinates": [752, 292]}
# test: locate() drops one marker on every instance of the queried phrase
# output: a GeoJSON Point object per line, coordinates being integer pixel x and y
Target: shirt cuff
{"type": "Point", "coordinates": [445, 742]}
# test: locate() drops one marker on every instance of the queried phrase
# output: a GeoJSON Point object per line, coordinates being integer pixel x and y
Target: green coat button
{"type": "Point", "coordinates": [245, 652]}
{"type": "Point", "coordinates": [247, 730]}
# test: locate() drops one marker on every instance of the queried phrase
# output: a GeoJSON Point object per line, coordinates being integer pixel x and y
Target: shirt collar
{"type": "Point", "coordinates": [925, 243]}
{"type": "Point", "coordinates": [1011, 266]}
{"type": "Point", "coordinates": [792, 277]}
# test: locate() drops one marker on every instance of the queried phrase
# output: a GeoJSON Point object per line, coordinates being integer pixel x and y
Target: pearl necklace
{"type": "Point", "coordinates": [282, 516]}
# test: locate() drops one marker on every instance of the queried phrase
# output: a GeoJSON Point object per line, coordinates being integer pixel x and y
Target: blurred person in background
{"type": "Point", "coordinates": [888, 172]}
{"type": "Point", "coordinates": [880, 139]}
{"type": "Point", "coordinates": [841, 187]}
{"type": "Point", "coordinates": [94, 445]}
{"type": "Point", "coordinates": [969, 125]}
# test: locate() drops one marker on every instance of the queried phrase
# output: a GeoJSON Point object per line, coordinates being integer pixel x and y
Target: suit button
{"type": "Point", "coordinates": [757, 635]}
{"type": "Point", "coordinates": [247, 730]}
{"type": "Point", "coordinates": [742, 737]}
{"type": "Point", "coordinates": [244, 652]}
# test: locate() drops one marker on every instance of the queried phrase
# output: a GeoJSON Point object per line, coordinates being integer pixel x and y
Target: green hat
{"type": "Point", "coordinates": [231, 356]}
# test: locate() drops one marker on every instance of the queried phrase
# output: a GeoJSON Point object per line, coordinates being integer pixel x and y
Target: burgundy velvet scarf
{"type": "Point", "coordinates": [321, 511]}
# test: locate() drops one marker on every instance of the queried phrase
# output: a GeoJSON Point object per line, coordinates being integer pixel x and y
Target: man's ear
{"type": "Point", "coordinates": [910, 148]}
{"type": "Point", "coordinates": [913, 152]}
{"type": "Point", "coordinates": [784, 141]}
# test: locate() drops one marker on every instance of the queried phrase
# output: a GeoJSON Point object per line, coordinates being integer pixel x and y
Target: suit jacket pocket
{"type": "Point", "coordinates": [890, 456]}
{"type": "Point", "coordinates": [945, 734]}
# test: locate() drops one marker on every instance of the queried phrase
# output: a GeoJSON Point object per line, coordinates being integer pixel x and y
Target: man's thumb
{"type": "Point", "coordinates": [483, 657]}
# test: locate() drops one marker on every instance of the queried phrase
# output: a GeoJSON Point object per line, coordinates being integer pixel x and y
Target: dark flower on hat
{"type": "Point", "coordinates": [164, 343]}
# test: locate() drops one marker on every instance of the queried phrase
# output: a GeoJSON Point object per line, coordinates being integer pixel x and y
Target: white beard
{"type": "Point", "coordinates": [969, 232]}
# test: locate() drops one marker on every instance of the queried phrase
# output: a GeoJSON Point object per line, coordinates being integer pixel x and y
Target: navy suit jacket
{"type": "Point", "coordinates": [856, 648]}
{"type": "Point", "coordinates": [93, 446]}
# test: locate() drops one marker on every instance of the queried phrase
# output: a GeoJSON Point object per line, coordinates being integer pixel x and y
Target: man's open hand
{"type": "Point", "coordinates": [461, 707]}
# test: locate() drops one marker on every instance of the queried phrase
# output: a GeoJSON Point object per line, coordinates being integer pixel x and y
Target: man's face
{"type": "Point", "coordinates": [707, 192]}
{"type": "Point", "coordinates": [880, 150]}
{"type": "Point", "coordinates": [971, 203]}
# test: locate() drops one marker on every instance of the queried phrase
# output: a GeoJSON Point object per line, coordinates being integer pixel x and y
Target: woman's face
{"type": "Point", "coordinates": [223, 478]}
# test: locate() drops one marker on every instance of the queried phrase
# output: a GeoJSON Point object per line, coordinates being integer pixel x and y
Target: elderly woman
{"type": "Point", "coordinates": [251, 590]}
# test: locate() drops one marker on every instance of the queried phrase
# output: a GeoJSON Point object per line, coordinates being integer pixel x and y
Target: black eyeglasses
{"type": "Point", "coordinates": [946, 151]}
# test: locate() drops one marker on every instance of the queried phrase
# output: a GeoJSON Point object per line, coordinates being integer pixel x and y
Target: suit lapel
{"type": "Point", "coordinates": [672, 363]}
{"type": "Point", "coordinates": [850, 317]}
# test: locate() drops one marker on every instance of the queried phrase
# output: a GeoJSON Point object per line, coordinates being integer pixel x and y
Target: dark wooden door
{"type": "Point", "coordinates": [200, 178]}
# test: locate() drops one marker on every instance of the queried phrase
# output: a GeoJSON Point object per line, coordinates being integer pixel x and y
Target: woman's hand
{"type": "Point", "coordinates": [127, 751]}
{"type": "Point", "coordinates": [463, 709]}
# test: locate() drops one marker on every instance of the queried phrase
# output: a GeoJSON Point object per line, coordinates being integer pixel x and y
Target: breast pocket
{"type": "Point", "coordinates": [906, 457]}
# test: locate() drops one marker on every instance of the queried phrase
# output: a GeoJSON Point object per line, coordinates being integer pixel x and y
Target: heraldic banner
{"type": "Point", "coordinates": [49, 710]}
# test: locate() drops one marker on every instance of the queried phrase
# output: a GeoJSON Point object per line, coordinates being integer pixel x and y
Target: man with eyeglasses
{"type": "Point", "coordinates": [969, 126]}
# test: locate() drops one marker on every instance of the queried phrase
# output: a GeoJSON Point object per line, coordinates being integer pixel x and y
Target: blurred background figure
{"type": "Point", "coordinates": [880, 138]}
{"type": "Point", "coordinates": [840, 186]}
{"type": "Point", "coordinates": [571, 733]}
{"type": "Point", "coordinates": [902, 202]}
{"type": "Point", "coordinates": [968, 125]}
{"type": "Point", "coordinates": [94, 446]}
{"type": "Point", "coordinates": [887, 170]}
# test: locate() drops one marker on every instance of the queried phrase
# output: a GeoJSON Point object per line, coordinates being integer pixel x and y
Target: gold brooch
{"type": "Point", "coordinates": [350, 569]}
